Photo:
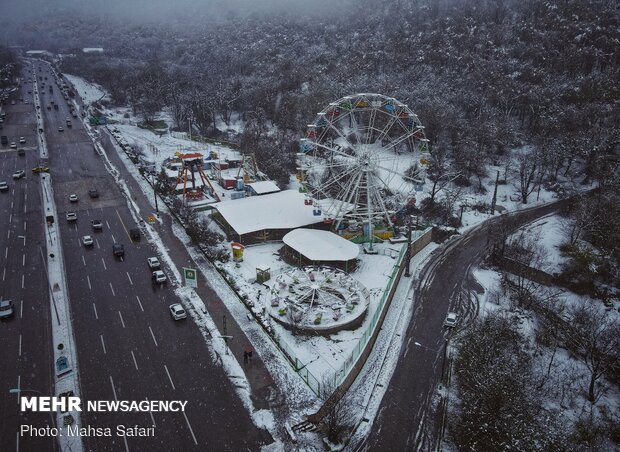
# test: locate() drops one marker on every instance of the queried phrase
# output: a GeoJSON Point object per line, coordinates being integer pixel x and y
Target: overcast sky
{"type": "Point", "coordinates": [162, 9]}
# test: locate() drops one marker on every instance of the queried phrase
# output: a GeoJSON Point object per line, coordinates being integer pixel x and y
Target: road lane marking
{"type": "Point", "coordinates": [121, 316]}
{"type": "Point", "coordinates": [113, 239]}
{"type": "Point", "coordinates": [103, 344]}
{"type": "Point", "coordinates": [112, 289]}
{"type": "Point", "coordinates": [190, 427]}
{"type": "Point", "coordinates": [19, 386]}
{"type": "Point", "coordinates": [134, 360]}
{"type": "Point", "coordinates": [130, 281]}
{"type": "Point", "coordinates": [4, 274]}
{"type": "Point", "coordinates": [138, 298]}
{"type": "Point", "coordinates": [21, 309]}
{"type": "Point", "coordinates": [113, 390]}
{"type": "Point", "coordinates": [23, 281]}
{"type": "Point", "coordinates": [152, 418]}
{"type": "Point", "coordinates": [97, 242]}
{"type": "Point", "coordinates": [24, 206]}
{"type": "Point", "coordinates": [10, 218]}
{"type": "Point", "coordinates": [8, 234]}
{"type": "Point", "coordinates": [95, 309]}
{"type": "Point", "coordinates": [23, 260]}
{"type": "Point", "coordinates": [104, 266]}
{"type": "Point", "coordinates": [24, 225]}
{"type": "Point", "coordinates": [169, 377]}
{"type": "Point", "coordinates": [123, 224]}
{"type": "Point", "coordinates": [88, 280]}
{"type": "Point", "coordinates": [153, 336]}
{"type": "Point", "coordinates": [6, 251]}
{"type": "Point", "coordinates": [107, 224]}
{"type": "Point", "coordinates": [20, 346]}
{"type": "Point", "coordinates": [83, 260]}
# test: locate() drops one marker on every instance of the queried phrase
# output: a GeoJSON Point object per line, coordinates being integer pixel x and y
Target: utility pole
{"type": "Point", "coordinates": [494, 200]}
{"type": "Point", "coordinates": [155, 194]}
{"type": "Point", "coordinates": [407, 272]}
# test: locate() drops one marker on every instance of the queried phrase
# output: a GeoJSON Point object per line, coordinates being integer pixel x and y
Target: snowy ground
{"type": "Point", "coordinates": [321, 355]}
{"type": "Point", "coordinates": [549, 233]}
{"type": "Point", "coordinates": [568, 381]}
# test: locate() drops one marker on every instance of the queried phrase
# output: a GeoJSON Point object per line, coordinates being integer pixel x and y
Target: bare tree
{"type": "Point", "coordinates": [595, 336]}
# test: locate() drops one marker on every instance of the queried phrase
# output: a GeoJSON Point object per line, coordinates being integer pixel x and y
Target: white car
{"type": "Point", "coordinates": [22, 140]}
{"type": "Point", "coordinates": [13, 145]}
{"type": "Point", "coordinates": [159, 277]}
{"type": "Point", "coordinates": [71, 216]}
{"type": "Point", "coordinates": [4, 186]}
{"type": "Point", "coordinates": [60, 129]}
{"type": "Point", "coordinates": [153, 263]}
{"type": "Point", "coordinates": [19, 174]}
{"type": "Point", "coordinates": [177, 312]}
{"type": "Point", "coordinates": [73, 198]}
{"type": "Point", "coordinates": [451, 320]}
{"type": "Point", "coordinates": [87, 240]}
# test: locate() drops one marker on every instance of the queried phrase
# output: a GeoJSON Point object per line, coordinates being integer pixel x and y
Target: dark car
{"type": "Point", "coordinates": [118, 250]}
{"type": "Point", "coordinates": [6, 309]}
{"type": "Point", "coordinates": [97, 225]}
{"type": "Point", "coordinates": [134, 234]}
{"type": "Point", "coordinates": [4, 139]}
{"type": "Point", "coordinates": [93, 193]}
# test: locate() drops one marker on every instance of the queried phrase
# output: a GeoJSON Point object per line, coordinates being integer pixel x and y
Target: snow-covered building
{"type": "Point", "coordinates": [318, 247]}
{"type": "Point", "coordinates": [261, 188]}
{"type": "Point", "coordinates": [266, 217]}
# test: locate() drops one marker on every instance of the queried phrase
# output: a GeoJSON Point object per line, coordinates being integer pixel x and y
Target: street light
{"type": "Point", "coordinates": [19, 391]}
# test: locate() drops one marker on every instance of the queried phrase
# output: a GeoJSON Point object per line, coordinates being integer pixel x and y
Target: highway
{"type": "Point", "coordinates": [129, 347]}
{"type": "Point", "coordinates": [26, 337]}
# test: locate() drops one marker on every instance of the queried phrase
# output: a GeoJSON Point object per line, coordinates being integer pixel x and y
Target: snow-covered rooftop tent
{"type": "Point", "coordinates": [266, 217]}
{"type": "Point", "coordinates": [317, 245]}
{"type": "Point", "coordinates": [262, 188]}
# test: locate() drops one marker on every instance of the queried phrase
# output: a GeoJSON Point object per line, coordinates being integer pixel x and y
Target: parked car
{"type": "Point", "coordinates": [134, 233]}
{"type": "Point", "coordinates": [6, 309]}
{"type": "Point", "coordinates": [21, 152]}
{"type": "Point", "coordinates": [87, 240]}
{"type": "Point", "coordinates": [97, 225]}
{"type": "Point", "coordinates": [159, 277]}
{"type": "Point", "coordinates": [93, 193]}
{"type": "Point", "coordinates": [60, 129]}
{"type": "Point", "coordinates": [71, 216]}
{"type": "Point", "coordinates": [118, 250]}
{"type": "Point", "coordinates": [13, 145]}
{"type": "Point", "coordinates": [153, 263]}
{"type": "Point", "coordinates": [19, 174]}
{"type": "Point", "coordinates": [451, 320]}
{"type": "Point", "coordinates": [177, 312]}
{"type": "Point", "coordinates": [4, 186]}
{"type": "Point", "coordinates": [22, 140]}
{"type": "Point", "coordinates": [73, 198]}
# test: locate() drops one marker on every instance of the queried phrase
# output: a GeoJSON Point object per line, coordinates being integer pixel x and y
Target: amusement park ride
{"type": "Point", "coordinates": [191, 164]}
{"type": "Point", "coordinates": [356, 159]}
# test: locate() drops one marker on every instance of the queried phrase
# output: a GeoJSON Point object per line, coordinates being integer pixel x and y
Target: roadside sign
{"type": "Point", "coordinates": [190, 277]}
{"type": "Point", "coordinates": [150, 219]}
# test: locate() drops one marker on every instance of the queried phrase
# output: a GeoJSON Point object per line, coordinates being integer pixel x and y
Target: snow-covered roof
{"type": "Point", "coordinates": [264, 187]}
{"type": "Point", "coordinates": [318, 245]}
{"type": "Point", "coordinates": [92, 49]}
{"type": "Point", "coordinates": [282, 210]}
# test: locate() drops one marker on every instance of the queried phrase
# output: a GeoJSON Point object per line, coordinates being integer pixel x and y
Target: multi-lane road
{"type": "Point", "coordinates": [25, 339]}
{"type": "Point", "coordinates": [128, 346]}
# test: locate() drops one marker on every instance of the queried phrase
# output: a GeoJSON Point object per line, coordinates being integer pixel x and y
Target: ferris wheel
{"type": "Point", "coordinates": [359, 160]}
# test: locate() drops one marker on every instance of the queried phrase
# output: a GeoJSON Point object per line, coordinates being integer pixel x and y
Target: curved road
{"type": "Point", "coordinates": [404, 421]}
